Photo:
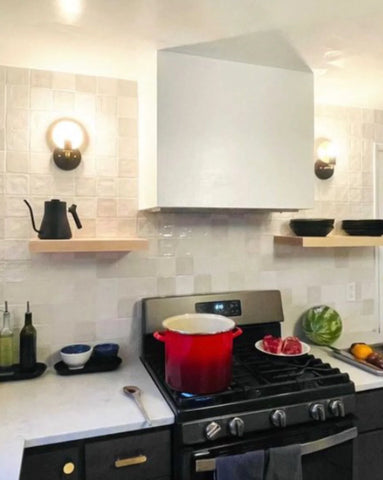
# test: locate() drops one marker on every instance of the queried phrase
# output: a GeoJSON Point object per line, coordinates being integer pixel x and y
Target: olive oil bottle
{"type": "Point", "coordinates": [6, 341]}
{"type": "Point", "coordinates": [28, 344]}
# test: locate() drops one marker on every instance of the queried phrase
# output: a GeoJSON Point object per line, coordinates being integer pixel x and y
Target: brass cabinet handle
{"type": "Point", "coordinates": [127, 462]}
{"type": "Point", "coordinates": [69, 468]}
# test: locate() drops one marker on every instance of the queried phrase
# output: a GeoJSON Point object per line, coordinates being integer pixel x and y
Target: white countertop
{"type": "Point", "coordinates": [54, 408]}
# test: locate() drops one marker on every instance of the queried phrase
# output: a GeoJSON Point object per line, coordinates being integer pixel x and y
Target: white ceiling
{"type": "Point", "coordinates": [340, 40]}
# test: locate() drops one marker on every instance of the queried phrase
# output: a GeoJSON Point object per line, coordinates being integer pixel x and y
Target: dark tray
{"type": "Point", "coordinates": [93, 365]}
{"type": "Point", "coordinates": [16, 374]}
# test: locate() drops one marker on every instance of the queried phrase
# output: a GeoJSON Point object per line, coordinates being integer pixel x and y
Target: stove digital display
{"type": "Point", "coordinates": [227, 308]}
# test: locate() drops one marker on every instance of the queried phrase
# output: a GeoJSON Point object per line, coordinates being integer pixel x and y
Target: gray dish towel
{"type": "Point", "coordinates": [246, 466]}
{"type": "Point", "coordinates": [285, 463]}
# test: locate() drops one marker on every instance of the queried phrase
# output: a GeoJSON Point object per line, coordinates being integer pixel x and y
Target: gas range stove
{"type": "Point", "coordinates": [267, 392]}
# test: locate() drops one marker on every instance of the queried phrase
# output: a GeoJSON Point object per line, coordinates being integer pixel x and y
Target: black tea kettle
{"type": "Point", "coordinates": [55, 225]}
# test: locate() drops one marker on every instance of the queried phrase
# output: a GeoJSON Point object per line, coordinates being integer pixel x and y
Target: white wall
{"type": "Point", "coordinates": [91, 297]}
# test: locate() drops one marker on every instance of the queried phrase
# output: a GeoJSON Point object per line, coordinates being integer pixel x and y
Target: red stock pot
{"type": "Point", "coordinates": [198, 351]}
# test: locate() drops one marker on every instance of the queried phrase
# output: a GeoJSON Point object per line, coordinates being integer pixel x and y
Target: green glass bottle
{"type": "Point", "coordinates": [28, 344]}
{"type": "Point", "coordinates": [6, 341]}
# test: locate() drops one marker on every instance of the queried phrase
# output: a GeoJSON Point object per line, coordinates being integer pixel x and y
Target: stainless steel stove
{"type": "Point", "coordinates": [271, 400]}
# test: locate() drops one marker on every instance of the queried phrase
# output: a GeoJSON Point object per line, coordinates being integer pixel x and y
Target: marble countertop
{"type": "Point", "coordinates": [54, 408]}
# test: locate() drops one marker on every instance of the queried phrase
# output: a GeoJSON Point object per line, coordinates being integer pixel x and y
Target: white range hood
{"type": "Point", "coordinates": [218, 133]}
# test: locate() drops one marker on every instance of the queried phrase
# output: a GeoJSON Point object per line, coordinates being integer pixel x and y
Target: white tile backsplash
{"type": "Point", "coordinates": [93, 297]}
{"type": "Point", "coordinates": [41, 98]}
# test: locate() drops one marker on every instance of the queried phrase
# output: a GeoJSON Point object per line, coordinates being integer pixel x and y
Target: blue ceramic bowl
{"type": "Point", "coordinates": [76, 356]}
{"type": "Point", "coordinates": [106, 349]}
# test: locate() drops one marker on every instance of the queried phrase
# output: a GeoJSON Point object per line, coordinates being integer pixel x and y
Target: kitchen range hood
{"type": "Point", "coordinates": [220, 131]}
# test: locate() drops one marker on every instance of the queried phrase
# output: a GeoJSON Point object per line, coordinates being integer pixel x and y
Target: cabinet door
{"type": "Point", "coordinates": [369, 408]}
{"type": "Point", "coordinates": [370, 456]}
{"type": "Point", "coordinates": [52, 463]}
{"type": "Point", "coordinates": [138, 456]}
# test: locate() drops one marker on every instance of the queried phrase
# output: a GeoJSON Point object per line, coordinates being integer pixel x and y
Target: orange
{"type": "Point", "coordinates": [361, 350]}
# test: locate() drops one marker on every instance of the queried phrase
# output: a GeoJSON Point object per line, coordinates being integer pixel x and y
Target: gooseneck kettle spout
{"type": "Point", "coordinates": [32, 217]}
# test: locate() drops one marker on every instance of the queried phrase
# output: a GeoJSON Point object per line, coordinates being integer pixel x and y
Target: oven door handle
{"type": "Point", "coordinates": [208, 464]}
{"type": "Point", "coordinates": [328, 442]}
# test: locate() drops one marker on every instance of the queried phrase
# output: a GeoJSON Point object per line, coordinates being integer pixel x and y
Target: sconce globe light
{"type": "Point", "coordinates": [325, 158]}
{"type": "Point", "coordinates": [67, 138]}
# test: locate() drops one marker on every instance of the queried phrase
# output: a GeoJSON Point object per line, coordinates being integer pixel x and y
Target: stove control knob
{"type": "Point", "coordinates": [336, 407]}
{"type": "Point", "coordinates": [212, 430]}
{"type": "Point", "coordinates": [318, 412]}
{"type": "Point", "coordinates": [237, 427]}
{"type": "Point", "coordinates": [278, 418]}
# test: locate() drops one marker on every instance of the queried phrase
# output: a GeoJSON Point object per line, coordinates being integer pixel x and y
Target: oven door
{"type": "Point", "coordinates": [328, 451]}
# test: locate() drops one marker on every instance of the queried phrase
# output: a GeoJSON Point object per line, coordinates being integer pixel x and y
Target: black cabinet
{"type": "Point", "coordinates": [54, 462]}
{"type": "Point", "coordinates": [370, 438]}
{"type": "Point", "coordinates": [140, 456]}
{"type": "Point", "coordinates": [143, 455]}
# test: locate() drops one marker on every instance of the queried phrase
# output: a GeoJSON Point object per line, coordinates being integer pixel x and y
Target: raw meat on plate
{"type": "Point", "coordinates": [288, 346]}
{"type": "Point", "coordinates": [272, 344]}
{"type": "Point", "coordinates": [291, 346]}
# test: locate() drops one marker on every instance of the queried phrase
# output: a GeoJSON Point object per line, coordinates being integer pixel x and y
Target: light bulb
{"type": "Point", "coordinates": [67, 131]}
{"type": "Point", "coordinates": [327, 152]}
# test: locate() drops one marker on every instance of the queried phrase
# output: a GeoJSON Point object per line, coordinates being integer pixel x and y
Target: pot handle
{"type": "Point", "coordinates": [237, 332]}
{"type": "Point", "coordinates": [159, 336]}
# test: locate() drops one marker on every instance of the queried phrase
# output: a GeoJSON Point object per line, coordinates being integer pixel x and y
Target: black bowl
{"type": "Point", "coordinates": [365, 223]}
{"type": "Point", "coordinates": [311, 227]}
{"type": "Point", "coordinates": [312, 221]}
{"type": "Point", "coordinates": [373, 227]}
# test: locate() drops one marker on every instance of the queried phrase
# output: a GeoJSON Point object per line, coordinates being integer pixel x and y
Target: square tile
{"type": "Point", "coordinates": [127, 88]}
{"type": "Point", "coordinates": [63, 101]}
{"type": "Point", "coordinates": [41, 78]}
{"type": "Point", "coordinates": [16, 184]}
{"type": "Point", "coordinates": [107, 86]}
{"type": "Point", "coordinates": [86, 83]}
{"type": "Point", "coordinates": [17, 162]}
{"type": "Point", "coordinates": [18, 96]}
{"type": "Point", "coordinates": [106, 207]}
{"type": "Point", "coordinates": [17, 76]}
{"type": "Point", "coordinates": [63, 81]}
{"type": "Point", "coordinates": [41, 98]}
{"type": "Point", "coordinates": [184, 265]}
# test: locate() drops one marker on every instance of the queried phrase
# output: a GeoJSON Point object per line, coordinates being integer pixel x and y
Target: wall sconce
{"type": "Point", "coordinates": [67, 137]}
{"type": "Point", "coordinates": [325, 156]}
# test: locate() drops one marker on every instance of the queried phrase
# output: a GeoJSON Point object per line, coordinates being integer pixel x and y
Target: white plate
{"type": "Point", "coordinates": [305, 349]}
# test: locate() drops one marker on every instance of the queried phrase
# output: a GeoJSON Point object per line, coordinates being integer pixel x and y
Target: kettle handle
{"type": "Point", "coordinates": [32, 217]}
{"type": "Point", "coordinates": [72, 210]}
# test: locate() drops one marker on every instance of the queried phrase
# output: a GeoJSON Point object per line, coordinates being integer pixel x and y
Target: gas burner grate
{"type": "Point", "coordinates": [258, 377]}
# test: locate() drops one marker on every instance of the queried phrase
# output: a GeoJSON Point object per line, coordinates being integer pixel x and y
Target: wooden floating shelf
{"type": "Point", "coordinates": [329, 241]}
{"type": "Point", "coordinates": [88, 245]}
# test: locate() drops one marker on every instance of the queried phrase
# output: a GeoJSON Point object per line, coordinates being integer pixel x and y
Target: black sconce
{"type": "Point", "coordinates": [325, 158]}
{"type": "Point", "coordinates": [67, 138]}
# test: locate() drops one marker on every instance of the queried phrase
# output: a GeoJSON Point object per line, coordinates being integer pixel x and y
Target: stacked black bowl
{"type": "Point", "coordinates": [312, 227]}
{"type": "Point", "coordinates": [373, 227]}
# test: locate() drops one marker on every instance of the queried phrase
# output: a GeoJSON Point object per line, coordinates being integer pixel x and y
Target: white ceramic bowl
{"type": "Point", "coordinates": [76, 356]}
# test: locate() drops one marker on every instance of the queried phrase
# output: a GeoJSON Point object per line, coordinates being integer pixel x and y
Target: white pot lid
{"type": "Point", "coordinates": [199, 324]}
